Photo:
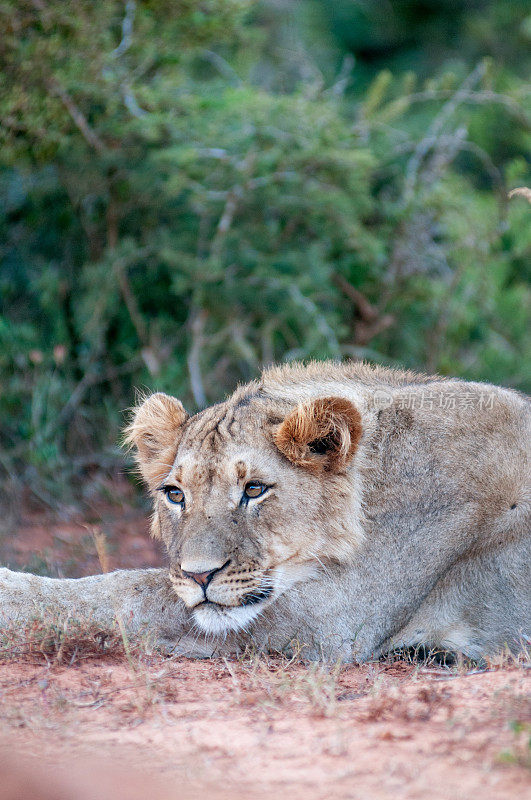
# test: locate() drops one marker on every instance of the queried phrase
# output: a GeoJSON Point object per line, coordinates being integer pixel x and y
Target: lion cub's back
{"type": "Point", "coordinates": [475, 438]}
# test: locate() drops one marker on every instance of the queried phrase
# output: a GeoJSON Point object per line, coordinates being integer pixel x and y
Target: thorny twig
{"type": "Point", "coordinates": [372, 321]}
{"type": "Point", "coordinates": [88, 380]}
{"type": "Point", "coordinates": [223, 67]}
{"type": "Point", "coordinates": [341, 82]}
{"type": "Point", "coordinates": [465, 145]}
{"type": "Point", "coordinates": [322, 325]}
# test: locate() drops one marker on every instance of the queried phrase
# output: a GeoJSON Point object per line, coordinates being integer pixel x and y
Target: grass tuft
{"type": "Point", "coordinates": [55, 639]}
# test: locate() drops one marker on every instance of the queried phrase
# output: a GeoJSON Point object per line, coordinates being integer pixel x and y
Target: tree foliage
{"type": "Point", "coordinates": [187, 198]}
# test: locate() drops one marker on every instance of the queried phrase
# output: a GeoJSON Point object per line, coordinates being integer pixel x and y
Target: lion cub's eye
{"type": "Point", "coordinates": [174, 495]}
{"type": "Point", "coordinates": [253, 489]}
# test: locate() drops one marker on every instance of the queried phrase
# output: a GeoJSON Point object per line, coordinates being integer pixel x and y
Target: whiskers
{"type": "Point", "coordinates": [325, 569]}
{"type": "Point", "coordinates": [289, 574]}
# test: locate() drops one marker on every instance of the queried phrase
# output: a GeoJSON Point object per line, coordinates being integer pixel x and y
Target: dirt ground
{"type": "Point", "coordinates": [101, 724]}
{"type": "Point", "coordinates": [61, 542]}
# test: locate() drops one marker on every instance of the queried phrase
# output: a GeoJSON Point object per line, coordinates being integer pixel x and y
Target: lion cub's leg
{"type": "Point", "coordinates": [143, 599]}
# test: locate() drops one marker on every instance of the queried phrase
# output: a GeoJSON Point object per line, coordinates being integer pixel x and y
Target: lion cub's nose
{"type": "Point", "coordinates": [203, 578]}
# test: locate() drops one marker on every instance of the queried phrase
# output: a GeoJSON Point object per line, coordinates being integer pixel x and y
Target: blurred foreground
{"type": "Point", "coordinates": [110, 727]}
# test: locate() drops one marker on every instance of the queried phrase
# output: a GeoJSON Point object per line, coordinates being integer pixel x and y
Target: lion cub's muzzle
{"type": "Point", "coordinates": [227, 585]}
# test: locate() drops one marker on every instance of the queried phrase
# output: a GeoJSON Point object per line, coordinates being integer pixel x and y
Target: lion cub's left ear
{"type": "Point", "coordinates": [155, 430]}
{"type": "Point", "coordinates": [321, 434]}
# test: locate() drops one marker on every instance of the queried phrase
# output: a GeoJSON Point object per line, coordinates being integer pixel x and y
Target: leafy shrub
{"type": "Point", "coordinates": [177, 213]}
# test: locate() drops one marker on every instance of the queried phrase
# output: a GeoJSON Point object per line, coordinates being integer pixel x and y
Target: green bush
{"type": "Point", "coordinates": [177, 213]}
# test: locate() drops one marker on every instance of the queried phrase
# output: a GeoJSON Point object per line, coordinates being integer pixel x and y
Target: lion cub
{"type": "Point", "coordinates": [349, 508]}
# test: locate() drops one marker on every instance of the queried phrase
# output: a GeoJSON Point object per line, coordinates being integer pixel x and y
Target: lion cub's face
{"type": "Point", "coordinates": [251, 497]}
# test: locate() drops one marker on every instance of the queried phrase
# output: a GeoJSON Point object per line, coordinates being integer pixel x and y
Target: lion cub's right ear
{"type": "Point", "coordinates": [154, 431]}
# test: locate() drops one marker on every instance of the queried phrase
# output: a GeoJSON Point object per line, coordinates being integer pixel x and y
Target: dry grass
{"type": "Point", "coordinates": [275, 681]}
{"type": "Point", "coordinates": [403, 688]}
{"type": "Point", "coordinates": [54, 639]}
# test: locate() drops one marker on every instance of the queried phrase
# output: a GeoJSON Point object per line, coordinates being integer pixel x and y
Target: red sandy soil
{"type": "Point", "coordinates": [263, 727]}
{"type": "Point", "coordinates": [62, 544]}
{"type": "Point", "coordinates": [111, 727]}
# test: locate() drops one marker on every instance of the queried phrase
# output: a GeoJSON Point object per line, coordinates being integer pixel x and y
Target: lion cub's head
{"type": "Point", "coordinates": [250, 496]}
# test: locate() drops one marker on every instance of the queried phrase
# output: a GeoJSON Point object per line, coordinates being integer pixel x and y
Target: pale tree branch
{"type": "Point", "coordinates": [435, 129]}
{"type": "Point", "coordinates": [225, 221]}
{"type": "Point", "coordinates": [341, 82]}
{"type": "Point", "coordinates": [233, 199]}
{"type": "Point", "coordinates": [120, 270]}
{"type": "Point", "coordinates": [479, 97]}
{"type": "Point", "coordinates": [127, 29]}
{"type": "Point", "coordinates": [223, 67]}
{"type": "Point", "coordinates": [131, 303]}
{"type": "Point", "coordinates": [126, 41]}
{"type": "Point", "coordinates": [131, 103]}
{"type": "Point", "coordinates": [197, 328]}
{"type": "Point", "coordinates": [455, 143]}
{"type": "Point", "coordinates": [322, 325]}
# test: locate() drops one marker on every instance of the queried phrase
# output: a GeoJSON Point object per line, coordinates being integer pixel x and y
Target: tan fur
{"type": "Point", "coordinates": [393, 514]}
{"type": "Point", "coordinates": [153, 432]}
{"type": "Point", "coordinates": [328, 423]}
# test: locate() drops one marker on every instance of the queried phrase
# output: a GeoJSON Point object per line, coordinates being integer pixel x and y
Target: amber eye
{"type": "Point", "coordinates": [174, 495]}
{"type": "Point", "coordinates": [253, 489]}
